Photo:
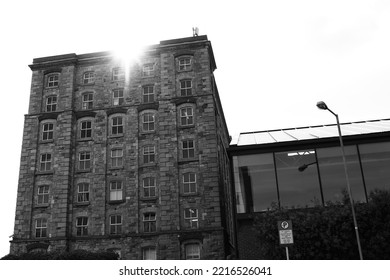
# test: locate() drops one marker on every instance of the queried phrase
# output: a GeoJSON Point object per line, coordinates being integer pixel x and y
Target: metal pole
{"type": "Point", "coordinates": [348, 186]}
{"type": "Point", "coordinates": [288, 257]}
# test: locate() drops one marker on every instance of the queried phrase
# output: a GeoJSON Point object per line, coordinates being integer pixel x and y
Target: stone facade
{"type": "Point", "coordinates": [127, 157]}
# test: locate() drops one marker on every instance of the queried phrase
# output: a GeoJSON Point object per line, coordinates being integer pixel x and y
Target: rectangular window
{"type": "Point", "coordinates": [118, 98]}
{"type": "Point", "coordinates": [147, 70]}
{"type": "Point", "coordinates": [45, 162]}
{"type": "Point", "coordinates": [148, 94]}
{"type": "Point", "coordinates": [82, 226]}
{"type": "Point", "coordinates": [52, 80]}
{"type": "Point", "coordinates": [84, 160]}
{"type": "Point", "coordinates": [191, 218]}
{"type": "Point", "coordinates": [89, 78]}
{"type": "Point", "coordinates": [189, 183]}
{"type": "Point", "coordinates": [85, 129]}
{"type": "Point", "coordinates": [51, 104]}
{"type": "Point", "coordinates": [149, 186]}
{"type": "Point", "coordinates": [116, 224]}
{"type": "Point", "coordinates": [87, 102]}
{"type": "Point", "coordinates": [184, 63]}
{"type": "Point", "coordinates": [47, 131]}
{"type": "Point", "coordinates": [149, 253]}
{"type": "Point", "coordinates": [188, 149]}
{"type": "Point", "coordinates": [116, 126]}
{"type": "Point", "coordinates": [116, 158]}
{"type": "Point", "coordinates": [149, 222]}
{"type": "Point", "coordinates": [41, 228]}
{"type": "Point", "coordinates": [83, 192]}
{"type": "Point", "coordinates": [186, 116]}
{"type": "Point", "coordinates": [116, 190]}
{"type": "Point", "coordinates": [185, 87]}
{"type": "Point", "coordinates": [118, 74]}
{"type": "Point", "coordinates": [148, 122]}
{"type": "Point", "coordinates": [149, 154]}
{"type": "Point", "coordinates": [192, 251]}
{"type": "Point", "coordinates": [43, 195]}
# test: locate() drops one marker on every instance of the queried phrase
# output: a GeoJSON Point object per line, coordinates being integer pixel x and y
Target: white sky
{"type": "Point", "coordinates": [275, 59]}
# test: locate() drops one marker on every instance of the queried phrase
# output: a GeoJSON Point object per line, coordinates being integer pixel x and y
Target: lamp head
{"type": "Point", "coordinates": [302, 167]}
{"type": "Point", "coordinates": [321, 105]}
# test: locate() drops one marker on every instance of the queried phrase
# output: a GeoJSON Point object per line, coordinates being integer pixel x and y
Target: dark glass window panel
{"type": "Point", "coordinates": [297, 189]}
{"type": "Point", "coordinates": [375, 160]}
{"type": "Point", "coordinates": [255, 183]}
{"type": "Point", "coordinates": [333, 178]}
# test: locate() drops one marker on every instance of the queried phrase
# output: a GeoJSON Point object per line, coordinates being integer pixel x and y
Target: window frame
{"type": "Point", "coordinates": [85, 132]}
{"type": "Point", "coordinates": [190, 185]}
{"type": "Point", "coordinates": [88, 79]}
{"type": "Point", "coordinates": [116, 193]}
{"type": "Point", "coordinates": [148, 70]}
{"type": "Point", "coordinates": [87, 104]}
{"type": "Point", "coordinates": [115, 225]}
{"type": "Point", "coordinates": [116, 159]}
{"type": "Point", "coordinates": [83, 192]}
{"type": "Point", "coordinates": [147, 250]}
{"type": "Point", "coordinates": [188, 152]}
{"type": "Point", "coordinates": [118, 97]}
{"type": "Point", "coordinates": [84, 160]}
{"type": "Point", "coordinates": [149, 154]}
{"type": "Point", "coordinates": [45, 164]}
{"type": "Point", "coordinates": [148, 122]}
{"type": "Point", "coordinates": [118, 74]}
{"type": "Point", "coordinates": [191, 218]}
{"type": "Point", "coordinates": [147, 94]}
{"type": "Point", "coordinates": [82, 228]}
{"type": "Point", "coordinates": [53, 103]}
{"type": "Point", "coordinates": [117, 125]}
{"type": "Point", "coordinates": [149, 187]}
{"type": "Point", "coordinates": [184, 64]}
{"type": "Point", "coordinates": [186, 87]}
{"type": "Point", "coordinates": [43, 197]}
{"type": "Point", "coordinates": [192, 255]}
{"type": "Point", "coordinates": [149, 220]}
{"type": "Point", "coordinates": [53, 83]}
{"type": "Point", "coordinates": [187, 119]}
{"type": "Point", "coordinates": [47, 133]}
{"type": "Point", "coordinates": [41, 228]}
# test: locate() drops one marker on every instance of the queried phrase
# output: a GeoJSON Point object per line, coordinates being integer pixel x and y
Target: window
{"type": "Point", "coordinates": [189, 183]}
{"type": "Point", "coordinates": [186, 116]}
{"type": "Point", "coordinates": [89, 78]}
{"type": "Point", "coordinates": [84, 160]}
{"type": "Point", "coordinates": [184, 63]}
{"type": "Point", "coordinates": [47, 131]}
{"type": "Point", "coordinates": [85, 129]}
{"type": "Point", "coordinates": [82, 226]}
{"type": "Point", "coordinates": [149, 222]}
{"type": "Point", "coordinates": [52, 80]}
{"type": "Point", "coordinates": [116, 126]}
{"type": "Point", "coordinates": [116, 158]}
{"type": "Point", "coordinates": [149, 187]}
{"type": "Point", "coordinates": [149, 154]}
{"type": "Point", "coordinates": [188, 149]}
{"type": "Point", "coordinates": [118, 74]}
{"type": "Point", "coordinates": [40, 228]}
{"type": "Point", "coordinates": [148, 122]}
{"type": "Point", "coordinates": [87, 101]}
{"type": "Point", "coordinates": [116, 192]}
{"type": "Point", "coordinates": [116, 224]}
{"type": "Point", "coordinates": [185, 88]}
{"type": "Point", "coordinates": [118, 98]}
{"type": "Point", "coordinates": [51, 104]}
{"type": "Point", "coordinates": [83, 192]}
{"type": "Point", "coordinates": [45, 162]}
{"type": "Point", "coordinates": [149, 253]}
{"type": "Point", "coordinates": [148, 94]}
{"type": "Point", "coordinates": [192, 251]}
{"type": "Point", "coordinates": [191, 218]}
{"type": "Point", "coordinates": [43, 195]}
{"type": "Point", "coordinates": [147, 70]}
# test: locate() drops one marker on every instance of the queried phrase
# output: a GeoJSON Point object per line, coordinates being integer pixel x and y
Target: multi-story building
{"type": "Point", "coordinates": [130, 158]}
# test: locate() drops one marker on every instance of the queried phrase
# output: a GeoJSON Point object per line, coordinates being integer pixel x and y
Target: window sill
{"type": "Point", "coordinates": [44, 172]}
{"type": "Point", "coordinates": [154, 198]}
{"type": "Point", "coordinates": [188, 160]}
{"type": "Point", "coordinates": [116, 201]}
{"type": "Point", "coordinates": [46, 141]}
{"type": "Point", "coordinates": [45, 205]}
{"type": "Point", "coordinates": [116, 136]}
{"type": "Point", "coordinates": [116, 168]}
{"type": "Point", "coordinates": [85, 139]}
{"type": "Point", "coordinates": [83, 171]}
{"type": "Point", "coordinates": [189, 194]}
{"type": "Point", "coordinates": [81, 204]}
{"type": "Point", "coordinates": [152, 164]}
{"type": "Point", "coordinates": [187, 126]}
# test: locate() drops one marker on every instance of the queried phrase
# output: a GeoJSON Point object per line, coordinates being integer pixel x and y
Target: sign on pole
{"type": "Point", "coordinates": [285, 232]}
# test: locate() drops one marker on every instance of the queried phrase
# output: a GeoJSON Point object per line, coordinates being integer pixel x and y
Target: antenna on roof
{"type": "Point", "coordinates": [195, 31]}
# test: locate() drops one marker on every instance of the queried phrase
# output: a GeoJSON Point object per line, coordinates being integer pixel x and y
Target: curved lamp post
{"type": "Point", "coordinates": [321, 105]}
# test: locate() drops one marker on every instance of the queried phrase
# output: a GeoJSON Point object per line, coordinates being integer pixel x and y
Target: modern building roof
{"type": "Point", "coordinates": [311, 132]}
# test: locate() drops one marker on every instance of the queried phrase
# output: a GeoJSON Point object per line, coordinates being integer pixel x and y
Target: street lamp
{"type": "Point", "coordinates": [321, 105]}
{"type": "Point", "coordinates": [305, 165]}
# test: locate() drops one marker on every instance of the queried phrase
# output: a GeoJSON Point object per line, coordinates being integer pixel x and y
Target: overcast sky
{"type": "Point", "coordinates": [275, 59]}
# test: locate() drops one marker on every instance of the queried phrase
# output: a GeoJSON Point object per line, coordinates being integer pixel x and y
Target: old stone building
{"type": "Point", "coordinates": [130, 158]}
